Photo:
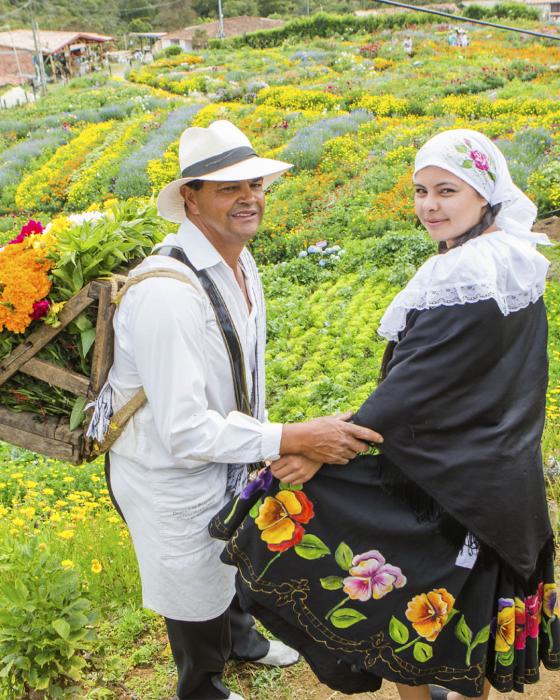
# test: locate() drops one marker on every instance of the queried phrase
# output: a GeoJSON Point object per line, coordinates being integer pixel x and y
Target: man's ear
{"type": "Point", "coordinates": [189, 195]}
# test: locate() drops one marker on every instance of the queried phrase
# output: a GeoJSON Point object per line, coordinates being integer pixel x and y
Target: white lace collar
{"type": "Point", "coordinates": [493, 266]}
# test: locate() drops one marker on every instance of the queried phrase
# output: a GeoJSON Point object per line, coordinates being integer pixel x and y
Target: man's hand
{"type": "Point", "coordinates": [330, 439]}
{"type": "Point", "coordinates": [294, 469]}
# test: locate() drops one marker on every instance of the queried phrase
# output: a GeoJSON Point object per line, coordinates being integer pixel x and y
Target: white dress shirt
{"type": "Point", "coordinates": [169, 467]}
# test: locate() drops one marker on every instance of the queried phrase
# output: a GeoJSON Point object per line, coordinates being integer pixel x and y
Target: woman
{"type": "Point", "coordinates": [432, 563]}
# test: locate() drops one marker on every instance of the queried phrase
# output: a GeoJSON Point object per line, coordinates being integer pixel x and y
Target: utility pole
{"type": "Point", "coordinates": [221, 33]}
{"type": "Point", "coordinates": [39, 55]}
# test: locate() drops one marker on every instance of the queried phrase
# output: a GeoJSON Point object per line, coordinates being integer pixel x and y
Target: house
{"type": "Point", "coordinates": [65, 54]}
{"type": "Point", "coordinates": [233, 26]}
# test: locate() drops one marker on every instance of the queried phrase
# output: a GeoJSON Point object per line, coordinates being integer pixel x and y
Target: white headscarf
{"type": "Point", "coordinates": [472, 157]}
{"type": "Point", "coordinates": [503, 265]}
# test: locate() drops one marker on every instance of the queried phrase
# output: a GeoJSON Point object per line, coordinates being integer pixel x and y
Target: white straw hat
{"type": "Point", "coordinates": [221, 153]}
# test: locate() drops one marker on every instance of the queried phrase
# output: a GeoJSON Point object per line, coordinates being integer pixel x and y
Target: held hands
{"type": "Point", "coordinates": [329, 439]}
{"type": "Point", "coordinates": [294, 469]}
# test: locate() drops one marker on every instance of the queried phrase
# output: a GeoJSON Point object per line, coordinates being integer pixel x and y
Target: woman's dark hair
{"type": "Point", "coordinates": [487, 219]}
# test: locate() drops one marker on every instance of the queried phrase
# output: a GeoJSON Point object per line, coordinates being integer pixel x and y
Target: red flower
{"type": "Point", "coordinates": [30, 227]}
{"type": "Point", "coordinates": [40, 309]}
{"type": "Point", "coordinates": [533, 615]}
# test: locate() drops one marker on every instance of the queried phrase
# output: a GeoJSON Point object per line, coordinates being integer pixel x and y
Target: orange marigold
{"type": "Point", "coordinates": [23, 282]}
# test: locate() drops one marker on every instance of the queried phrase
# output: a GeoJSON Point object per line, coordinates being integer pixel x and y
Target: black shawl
{"type": "Point", "coordinates": [462, 412]}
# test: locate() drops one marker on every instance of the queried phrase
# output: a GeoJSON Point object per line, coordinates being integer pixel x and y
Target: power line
{"type": "Point", "coordinates": [417, 8]}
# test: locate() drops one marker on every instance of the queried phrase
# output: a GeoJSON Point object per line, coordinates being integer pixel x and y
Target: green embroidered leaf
{"type": "Point", "coordinates": [450, 616]}
{"type": "Point", "coordinates": [422, 652]}
{"type": "Point", "coordinates": [483, 636]}
{"type": "Point", "coordinates": [398, 631]}
{"type": "Point", "coordinates": [467, 164]}
{"type": "Point", "coordinates": [463, 632]}
{"type": "Point", "coordinates": [332, 583]}
{"type": "Point", "coordinates": [462, 149]}
{"type": "Point", "coordinates": [311, 547]}
{"type": "Point", "coordinates": [254, 512]}
{"type": "Point", "coordinates": [506, 658]}
{"type": "Point", "coordinates": [344, 556]}
{"type": "Point", "coordinates": [346, 617]}
{"type": "Point", "coordinates": [290, 487]}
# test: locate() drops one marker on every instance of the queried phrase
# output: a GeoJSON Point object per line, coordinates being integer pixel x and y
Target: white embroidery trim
{"type": "Point", "coordinates": [420, 294]}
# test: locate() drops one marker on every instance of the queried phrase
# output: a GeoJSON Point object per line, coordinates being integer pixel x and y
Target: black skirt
{"type": "Point", "coordinates": [349, 575]}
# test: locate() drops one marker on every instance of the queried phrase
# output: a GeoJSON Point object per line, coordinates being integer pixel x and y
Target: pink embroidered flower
{"type": "Point", "coordinates": [30, 227]}
{"type": "Point", "coordinates": [480, 160]}
{"type": "Point", "coordinates": [371, 577]}
{"type": "Point", "coordinates": [533, 615]}
{"type": "Point", "coordinates": [40, 309]}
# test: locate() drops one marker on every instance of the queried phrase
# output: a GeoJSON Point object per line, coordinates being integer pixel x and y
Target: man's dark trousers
{"type": "Point", "coordinates": [201, 649]}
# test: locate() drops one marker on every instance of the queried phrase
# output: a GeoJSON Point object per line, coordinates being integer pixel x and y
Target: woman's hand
{"type": "Point", "coordinates": [294, 469]}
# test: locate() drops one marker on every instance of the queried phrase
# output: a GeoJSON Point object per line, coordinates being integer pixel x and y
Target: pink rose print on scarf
{"type": "Point", "coordinates": [480, 160]}
{"type": "Point", "coordinates": [371, 577]}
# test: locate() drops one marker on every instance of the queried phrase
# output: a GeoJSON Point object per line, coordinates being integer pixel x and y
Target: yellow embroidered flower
{"type": "Point", "coordinates": [428, 612]}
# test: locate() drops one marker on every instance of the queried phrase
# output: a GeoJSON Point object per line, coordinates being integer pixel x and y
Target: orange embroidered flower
{"type": "Point", "coordinates": [505, 625]}
{"type": "Point", "coordinates": [428, 612]}
{"type": "Point", "coordinates": [279, 519]}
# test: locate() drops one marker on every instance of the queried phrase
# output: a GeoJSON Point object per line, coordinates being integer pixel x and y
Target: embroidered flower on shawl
{"type": "Point", "coordinates": [261, 482]}
{"type": "Point", "coordinates": [550, 600]}
{"type": "Point", "coordinates": [504, 625]}
{"type": "Point", "coordinates": [533, 609]}
{"type": "Point", "coordinates": [471, 158]}
{"type": "Point", "coordinates": [428, 612]}
{"type": "Point", "coordinates": [371, 577]}
{"type": "Point", "coordinates": [280, 519]}
{"type": "Point", "coordinates": [520, 626]}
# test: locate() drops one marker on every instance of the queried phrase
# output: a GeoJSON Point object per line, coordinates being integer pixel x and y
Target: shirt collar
{"type": "Point", "coordinates": [200, 251]}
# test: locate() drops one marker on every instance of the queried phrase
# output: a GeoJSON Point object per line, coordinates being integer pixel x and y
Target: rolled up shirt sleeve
{"type": "Point", "coordinates": [171, 360]}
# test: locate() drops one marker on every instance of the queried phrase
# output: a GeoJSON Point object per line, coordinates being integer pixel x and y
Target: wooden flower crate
{"type": "Point", "coordinates": [49, 435]}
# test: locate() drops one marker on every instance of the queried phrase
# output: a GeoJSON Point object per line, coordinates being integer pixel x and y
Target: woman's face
{"type": "Point", "coordinates": [446, 205]}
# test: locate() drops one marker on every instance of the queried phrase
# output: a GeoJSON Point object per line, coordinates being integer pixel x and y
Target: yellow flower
{"type": "Point", "coordinates": [42, 546]}
{"type": "Point", "coordinates": [67, 564]}
{"type": "Point", "coordinates": [114, 519]}
{"type": "Point", "coordinates": [47, 492]}
{"type": "Point", "coordinates": [31, 484]}
{"type": "Point", "coordinates": [18, 522]}
{"type": "Point", "coordinates": [28, 512]}
{"type": "Point", "coordinates": [66, 534]}
{"type": "Point", "coordinates": [96, 566]}
{"type": "Point", "coordinates": [68, 479]}
{"type": "Point", "coordinates": [55, 518]}
{"type": "Point", "coordinates": [16, 475]}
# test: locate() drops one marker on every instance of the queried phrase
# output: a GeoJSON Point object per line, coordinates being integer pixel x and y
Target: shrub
{"type": "Point", "coordinates": [503, 10]}
{"type": "Point", "coordinates": [45, 621]}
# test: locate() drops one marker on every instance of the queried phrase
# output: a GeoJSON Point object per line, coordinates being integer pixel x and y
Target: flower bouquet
{"type": "Point", "coordinates": [56, 285]}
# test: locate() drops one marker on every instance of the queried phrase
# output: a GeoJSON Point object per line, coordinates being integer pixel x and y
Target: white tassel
{"type": "Point", "coordinates": [103, 411]}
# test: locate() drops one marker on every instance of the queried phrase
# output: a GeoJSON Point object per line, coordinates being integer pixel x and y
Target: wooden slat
{"type": "Point", "coordinates": [37, 340]}
{"type": "Point", "coordinates": [56, 376]}
{"type": "Point", "coordinates": [38, 443]}
{"type": "Point", "coordinates": [102, 358]}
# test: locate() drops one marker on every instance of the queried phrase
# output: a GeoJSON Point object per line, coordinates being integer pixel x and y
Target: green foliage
{"type": "Point", "coordinates": [96, 248]}
{"type": "Point", "coordinates": [45, 621]}
{"type": "Point", "coordinates": [502, 10]}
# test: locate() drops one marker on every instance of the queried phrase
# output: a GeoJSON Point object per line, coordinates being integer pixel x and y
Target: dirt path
{"type": "Point", "coordinates": [548, 688]}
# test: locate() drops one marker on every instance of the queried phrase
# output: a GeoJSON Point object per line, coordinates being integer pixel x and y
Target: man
{"type": "Point", "coordinates": [182, 455]}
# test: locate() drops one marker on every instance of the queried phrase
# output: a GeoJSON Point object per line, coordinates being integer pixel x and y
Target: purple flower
{"type": "Point", "coordinates": [261, 482]}
{"type": "Point", "coordinates": [371, 577]}
{"type": "Point", "coordinates": [480, 160]}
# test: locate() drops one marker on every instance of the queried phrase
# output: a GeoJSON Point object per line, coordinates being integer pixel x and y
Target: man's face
{"type": "Point", "coordinates": [226, 212]}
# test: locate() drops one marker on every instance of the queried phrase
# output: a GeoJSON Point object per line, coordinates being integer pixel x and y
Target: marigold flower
{"type": "Point", "coordinates": [67, 564]}
{"type": "Point", "coordinates": [42, 546]}
{"type": "Point", "coordinates": [66, 534]}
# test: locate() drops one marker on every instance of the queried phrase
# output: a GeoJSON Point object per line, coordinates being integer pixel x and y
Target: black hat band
{"type": "Point", "coordinates": [223, 160]}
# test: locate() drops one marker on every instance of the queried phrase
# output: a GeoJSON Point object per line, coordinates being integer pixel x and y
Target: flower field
{"type": "Point", "coordinates": [338, 241]}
